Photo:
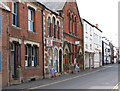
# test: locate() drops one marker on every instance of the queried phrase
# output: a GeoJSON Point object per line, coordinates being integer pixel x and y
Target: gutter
{"type": "Point", "coordinates": [42, 12]}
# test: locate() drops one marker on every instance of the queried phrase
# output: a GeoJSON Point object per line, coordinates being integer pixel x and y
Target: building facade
{"type": "Point", "coordinates": [4, 24]}
{"type": "Point", "coordinates": [106, 52]}
{"type": "Point", "coordinates": [97, 47]}
{"type": "Point", "coordinates": [88, 45]}
{"type": "Point", "coordinates": [72, 37]}
{"type": "Point", "coordinates": [112, 52]}
{"type": "Point", "coordinates": [53, 40]}
{"type": "Point", "coordinates": [23, 43]}
{"type": "Point", "coordinates": [35, 36]}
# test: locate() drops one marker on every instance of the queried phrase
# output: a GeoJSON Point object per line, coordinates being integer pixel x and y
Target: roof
{"type": "Point", "coordinates": [88, 22]}
{"type": "Point", "coordinates": [97, 28]}
{"type": "Point", "coordinates": [53, 5]}
{"type": "Point", "coordinates": [3, 6]}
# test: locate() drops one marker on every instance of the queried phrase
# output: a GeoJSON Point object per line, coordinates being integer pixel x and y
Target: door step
{"type": "Point", "coordinates": [15, 82]}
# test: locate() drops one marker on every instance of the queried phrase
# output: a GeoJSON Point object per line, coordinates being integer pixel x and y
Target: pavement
{"type": "Point", "coordinates": [105, 77]}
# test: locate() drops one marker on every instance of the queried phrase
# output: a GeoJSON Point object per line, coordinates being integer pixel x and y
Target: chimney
{"type": "Point", "coordinates": [97, 25]}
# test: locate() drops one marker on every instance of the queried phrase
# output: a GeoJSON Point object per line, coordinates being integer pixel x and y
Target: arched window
{"type": "Point", "coordinates": [69, 22]}
{"type": "Point", "coordinates": [57, 29]}
{"type": "Point", "coordinates": [53, 23]}
{"type": "Point", "coordinates": [49, 32]}
{"type": "Point", "coordinates": [75, 27]}
{"type": "Point", "coordinates": [72, 24]}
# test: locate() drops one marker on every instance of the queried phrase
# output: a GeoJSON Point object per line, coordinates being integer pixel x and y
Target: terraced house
{"type": "Point", "coordinates": [21, 36]}
{"type": "Point", "coordinates": [34, 36]}
{"type": "Point", "coordinates": [72, 37]}
{"type": "Point", "coordinates": [88, 44]}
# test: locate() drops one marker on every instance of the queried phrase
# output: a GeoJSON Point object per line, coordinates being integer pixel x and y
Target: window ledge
{"type": "Point", "coordinates": [16, 27]}
{"type": "Point", "coordinates": [32, 32]}
{"type": "Point", "coordinates": [28, 68]}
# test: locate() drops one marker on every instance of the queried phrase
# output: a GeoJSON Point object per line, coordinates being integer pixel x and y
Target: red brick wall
{"type": "Point", "coordinates": [5, 24]}
{"type": "Point", "coordinates": [21, 32]}
{"type": "Point", "coordinates": [72, 8]}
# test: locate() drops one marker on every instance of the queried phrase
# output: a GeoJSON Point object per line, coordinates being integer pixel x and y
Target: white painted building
{"type": "Point", "coordinates": [106, 52]}
{"type": "Point", "coordinates": [88, 45]}
{"type": "Point", "coordinates": [97, 46]}
{"type": "Point", "coordinates": [115, 54]}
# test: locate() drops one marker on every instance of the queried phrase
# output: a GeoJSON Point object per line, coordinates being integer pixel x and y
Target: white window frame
{"type": "Point", "coordinates": [86, 28]}
{"type": "Point", "coordinates": [14, 13]}
{"type": "Point", "coordinates": [31, 20]}
{"type": "Point", "coordinates": [26, 56]}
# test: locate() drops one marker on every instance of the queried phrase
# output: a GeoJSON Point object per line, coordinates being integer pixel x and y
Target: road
{"type": "Point", "coordinates": [105, 77]}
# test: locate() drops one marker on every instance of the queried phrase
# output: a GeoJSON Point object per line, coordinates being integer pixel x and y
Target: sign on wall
{"type": "Point", "coordinates": [77, 42]}
{"type": "Point", "coordinates": [49, 42]}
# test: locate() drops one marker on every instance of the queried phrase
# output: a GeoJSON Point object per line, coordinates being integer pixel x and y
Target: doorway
{"type": "Point", "coordinates": [15, 61]}
{"type": "Point", "coordinates": [60, 61]}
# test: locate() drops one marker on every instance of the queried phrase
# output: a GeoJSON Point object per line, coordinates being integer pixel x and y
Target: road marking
{"type": "Point", "coordinates": [116, 87]}
{"type": "Point", "coordinates": [66, 79]}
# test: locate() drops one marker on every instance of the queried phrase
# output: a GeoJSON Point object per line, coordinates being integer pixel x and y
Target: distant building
{"type": "Point", "coordinates": [115, 54]}
{"type": "Point", "coordinates": [112, 52]}
{"type": "Point", "coordinates": [106, 52]}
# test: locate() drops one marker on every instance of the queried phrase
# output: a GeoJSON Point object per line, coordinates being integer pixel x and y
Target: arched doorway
{"type": "Point", "coordinates": [60, 60]}
{"type": "Point", "coordinates": [56, 59]}
{"type": "Point", "coordinates": [49, 63]}
{"type": "Point", "coordinates": [66, 60]}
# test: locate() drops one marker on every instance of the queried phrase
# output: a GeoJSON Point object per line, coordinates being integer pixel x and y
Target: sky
{"type": "Point", "coordinates": [104, 13]}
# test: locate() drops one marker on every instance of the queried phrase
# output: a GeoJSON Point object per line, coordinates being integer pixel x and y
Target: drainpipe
{"type": "Point", "coordinates": [43, 39]}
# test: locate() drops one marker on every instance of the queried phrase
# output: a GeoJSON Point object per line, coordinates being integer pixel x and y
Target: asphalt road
{"type": "Point", "coordinates": [105, 77]}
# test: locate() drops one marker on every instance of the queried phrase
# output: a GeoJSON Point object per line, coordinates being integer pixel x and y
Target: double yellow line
{"type": "Point", "coordinates": [116, 87]}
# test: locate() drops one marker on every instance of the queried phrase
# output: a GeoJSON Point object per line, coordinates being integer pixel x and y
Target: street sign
{"type": "Point", "coordinates": [49, 42]}
{"type": "Point", "coordinates": [77, 42]}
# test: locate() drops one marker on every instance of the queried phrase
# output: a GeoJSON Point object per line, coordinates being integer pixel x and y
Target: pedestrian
{"type": "Point", "coordinates": [52, 71]}
{"type": "Point", "coordinates": [76, 68]}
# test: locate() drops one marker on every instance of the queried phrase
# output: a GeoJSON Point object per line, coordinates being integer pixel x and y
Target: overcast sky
{"type": "Point", "coordinates": [104, 13]}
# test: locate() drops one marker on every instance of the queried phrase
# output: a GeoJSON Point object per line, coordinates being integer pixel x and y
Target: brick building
{"type": "Point", "coordinates": [72, 36]}
{"type": "Point", "coordinates": [72, 33]}
{"type": "Point", "coordinates": [22, 43]}
{"type": "Point", "coordinates": [53, 40]}
{"type": "Point", "coordinates": [35, 36]}
{"type": "Point", "coordinates": [4, 23]}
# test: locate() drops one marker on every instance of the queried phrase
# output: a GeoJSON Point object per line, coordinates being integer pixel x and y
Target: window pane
{"type": "Point", "coordinates": [28, 25]}
{"type": "Point", "coordinates": [31, 26]}
{"type": "Point", "coordinates": [15, 6]}
{"type": "Point", "coordinates": [73, 27]}
{"type": "Point", "coordinates": [12, 7]}
{"type": "Point", "coordinates": [32, 15]}
{"type": "Point", "coordinates": [58, 30]}
{"type": "Point", "coordinates": [29, 15]}
{"type": "Point", "coordinates": [13, 19]}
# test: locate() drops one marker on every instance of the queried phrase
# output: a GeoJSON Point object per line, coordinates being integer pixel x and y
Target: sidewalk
{"type": "Point", "coordinates": [47, 81]}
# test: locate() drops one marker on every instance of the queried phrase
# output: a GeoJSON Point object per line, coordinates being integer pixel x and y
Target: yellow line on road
{"type": "Point", "coordinates": [116, 87]}
{"type": "Point", "coordinates": [67, 79]}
